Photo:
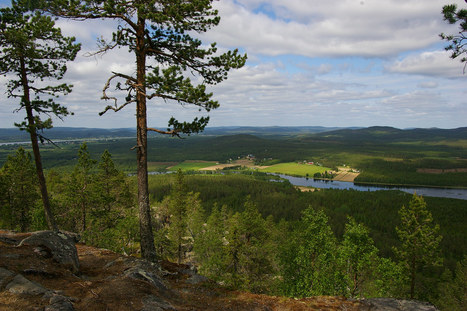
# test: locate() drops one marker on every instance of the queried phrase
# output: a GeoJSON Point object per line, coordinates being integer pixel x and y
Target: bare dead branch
{"type": "Point", "coordinates": [116, 107]}
{"type": "Point", "coordinates": [42, 138]}
{"type": "Point", "coordinates": [172, 132]}
{"type": "Point", "coordinates": [161, 96]}
{"type": "Point", "coordinates": [102, 50]}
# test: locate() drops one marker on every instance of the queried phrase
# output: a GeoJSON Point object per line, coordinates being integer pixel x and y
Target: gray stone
{"type": "Point", "coordinates": [153, 303]}
{"type": "Point", "coordinates": [196, 279]}
{"type": "Point", "coordinates": [5, 277]}
{"type": "Point", "coordinates": [144, 270]}
{"type": "Point", "coordinates": [59, 303]}
{"type": "Point", "coordinates": [61, 246]}
{"type": "Point", "coordinates": [21, 285]}
{"type": "Point", "coordinates": [389, 304]}
{"type": "Point", "coordinates": [148, 276]}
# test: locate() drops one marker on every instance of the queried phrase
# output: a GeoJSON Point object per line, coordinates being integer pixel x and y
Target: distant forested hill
{"type": "Point", "coordinates": [390, 134]}
{"type": "Point", "coordinates": [13, 134]}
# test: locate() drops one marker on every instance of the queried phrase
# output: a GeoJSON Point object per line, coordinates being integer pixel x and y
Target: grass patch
{"type": "Point", "coordinates": [160, 166]}
{"type": "Point", "coordinates": [192, 165]}
{"type": "Point", "coordinates": [296, 169]}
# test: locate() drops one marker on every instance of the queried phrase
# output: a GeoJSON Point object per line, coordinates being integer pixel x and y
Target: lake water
{"type": "Point", "coordinates": [326, 184]}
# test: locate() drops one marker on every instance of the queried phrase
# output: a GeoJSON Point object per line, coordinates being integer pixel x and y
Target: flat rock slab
{"type": "Point", "coordinates": [5, 277]}
{"type": "Point", "coordinates": [389, 304]}
{"type": "Point", "coordinates": [21, 285]}
{"type": "Point", "coordinates": [153, 303]}
{"type": "Point", "coordinates": [59, 245]}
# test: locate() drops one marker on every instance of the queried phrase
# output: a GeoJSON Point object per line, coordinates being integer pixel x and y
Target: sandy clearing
{"type": "Point", "coordinates": [306, 189]}
{"type": "Point", "coordinates": [241, 162]}
{"type": "Point", "coordinates": [346, 174]}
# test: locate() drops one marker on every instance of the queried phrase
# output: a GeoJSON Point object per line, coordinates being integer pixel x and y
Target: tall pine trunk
{"type": "Point", "coordinates": [148, 250]}
{"type": "Point", "coordinates": [35, 148]}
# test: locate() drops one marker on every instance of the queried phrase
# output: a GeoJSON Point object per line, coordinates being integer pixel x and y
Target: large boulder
{"type": "Point", "coordinates": [58, 245]}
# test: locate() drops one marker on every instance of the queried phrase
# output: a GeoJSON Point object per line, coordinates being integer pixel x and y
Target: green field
{"type": "Point", "coordinates": [295, 169]}
{"type": "Point", "coordinates": [191, 165]}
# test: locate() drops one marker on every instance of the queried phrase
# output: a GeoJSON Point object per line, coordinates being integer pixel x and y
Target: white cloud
{"type": "Point", "coordinates": [429, 63]}
{"type": "Point", "coordinates": [376, 28]}
{"type": "Point", "coordinates": [428, 85]}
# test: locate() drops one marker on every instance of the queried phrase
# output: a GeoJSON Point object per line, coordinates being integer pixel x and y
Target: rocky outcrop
{"type": "Point", "coordinates": [40, 271]}
{"type": "Point", "coordinates": [17, 284]}
{"type": "Point", "coordinates": [58, 245]}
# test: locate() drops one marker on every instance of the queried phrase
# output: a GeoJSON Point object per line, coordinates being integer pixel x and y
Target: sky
{"type": "Point", "coordinates": [310, 63]}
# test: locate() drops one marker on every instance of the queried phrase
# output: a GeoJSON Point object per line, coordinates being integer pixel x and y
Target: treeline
{"type": "Point", "coordinates": [405, 172]}
{"type": "Point", "coordinates": [248, 232]}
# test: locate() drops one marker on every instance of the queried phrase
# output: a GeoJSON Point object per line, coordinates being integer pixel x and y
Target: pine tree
{"type": "Point", "coordinates": [195, 216]}
{"type": "Point", "coordinates": [358, 256]}
{"type": "Point", "coordinates": [20, 191]}
{"type": "Point", "coordinates": [32, 51]}
{"type": "Point", "coordinates": [453, 289]}
{"type": "Point", "coordinates": [178, 210]}
{"type": "Point", "coordinates": [114, 191]}
{"type": "Point", "coordinates": [113, 202]}
{"type": "Point", "coordinates": [419, 238]}
{"type": "Point", "coordinates": [309, 261]}
{"type": "Point", "coordinates": [457, 43]}
{"type": "Point", "coordinates": [160, 36]}
{"type": "Point", "coordinates": [81, 192]}
{"type": "Point", "coordinates": [255, 257]}
{"type": "Point", "coordinates": [210, 249]}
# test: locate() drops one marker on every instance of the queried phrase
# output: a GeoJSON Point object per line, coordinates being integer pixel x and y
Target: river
{"type": "Point", "coordinates": [424, 191]}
